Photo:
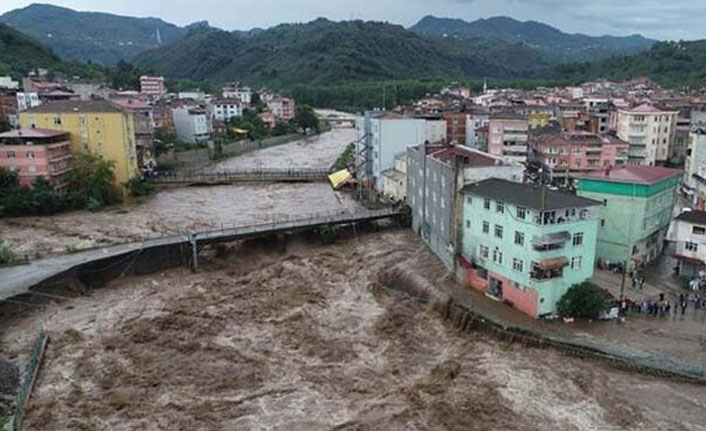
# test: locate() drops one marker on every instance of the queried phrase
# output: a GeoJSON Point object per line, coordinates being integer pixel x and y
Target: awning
{"type": "Point", "coordinates": [240, 131]}
{"type": "Point", "coordinates": [339, 178]}
{"type": "Point", "coordinates": [556, 238]}
{"type": "Point", "coordinates": [549, 264]}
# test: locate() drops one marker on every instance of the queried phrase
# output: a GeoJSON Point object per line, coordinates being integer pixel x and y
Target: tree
{"type": "Point", "coordinates": [585, 300]}
{"type": "Point", "coordinates": [252, 123]}
{"type": "Point", "coordinates": [92, 182]}
{"type": "Point", "coordinates": [6, 253]}
{"type": "Point", "coordinates": [306, 119]}
{"type": "Point", "coordinates": [5, 125]}
{"type": "Point", "coordinates": [139, 186]}
{"type": "Point", "coordinates": [43, 200]}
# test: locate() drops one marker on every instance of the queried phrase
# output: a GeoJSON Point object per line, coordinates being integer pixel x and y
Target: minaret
{"type": "Point", "coordinates": [159, 37]}
{"type": "Point", "coordinates": [485, 86]}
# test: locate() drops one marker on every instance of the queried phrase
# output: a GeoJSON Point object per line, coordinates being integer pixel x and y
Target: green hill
{"type": "Point", "coordinates": [19, 53]}
{"type": "Point", "coordinates": [323, 52]}
{"type": "Point", "coordinates": [671, 64]}
{"type": "Point", "coordinates": [555, 45]}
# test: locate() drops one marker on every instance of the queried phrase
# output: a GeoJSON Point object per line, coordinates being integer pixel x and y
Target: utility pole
{"type": "Point", "coordinates": [194, 252]}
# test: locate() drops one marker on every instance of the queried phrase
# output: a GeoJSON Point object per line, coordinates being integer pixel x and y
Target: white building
{"type": "Point", "coordinates": [27, 101]}
{"type": "Point", "coordinates": [237, 91]}
{"type": "Point", "coordinates": [8, 83]}
{"type": "Point", "coordinates": [152, 86]}
{"type": "Point", "coordinates": [282, 107]}
{"type": "Point", "coordinates": [193, 124]}
{"type": "Point", "coordinates": [192, 94]}
{"type": "Point", "coordinates": [650, 131]}
{"type": "Point", "coordinates": [688, 234]}
{"type": "Point", "coordinates": [436, 131]}
{"type": "Point", "coordinates": [225, 109]}
{"type": "Point", "coordinates": [575, 92]}
{"type": "Point", "coordinates": [395, 179]}
{"type": "Point", "coordinates": [695, 163]}
{"type": "Point", "coordinates": [381, 137]}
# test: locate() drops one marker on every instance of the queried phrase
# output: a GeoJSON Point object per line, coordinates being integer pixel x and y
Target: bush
{"type": "Point", "coordinates": [139, 187]}
{"type": "Point", "coordinates": [6, 253]}
{"type": "Point", "coordinates": [92, 182]}
{"type": "Point", "coordinates": [585, 300]}
{"type": "Point", "coordinates": [17, 200]}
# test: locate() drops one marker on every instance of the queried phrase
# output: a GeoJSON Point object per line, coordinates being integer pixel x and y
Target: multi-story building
{"type": "Point", "coordinates": [395, 180]}
{"type": "Point", "coordinates": [36, 153]}
{"type": "Point", "coordinates": [508, 136]}
{"type": "Point", "coordinates": [100, 127]}
{"type": "Point", "coordinates": [476, 120]}
{"type": "Point", "coordinates": [436, 131]}
{"type": "Point", "coordinates": [236, 90]}
{"type": "Point", "coordinates": [143, 117]}
{"type": "Point", "coordinates": [225, 109]}
{"type": "Point", "coordinates": [6, 82]}
{"type": "Point", "coordinates": [650, 131]}
{"type": "Point", "coordinates": [688, 237]}
{"type": "Point", "coordinates": [569, 153]}
{"type": "Point", "coordinates": [282, 107]}
{"type": "Point", "coordinates": [638, 202]}
{"type": "Point", "coordinates": [381, 137]}
{"type": "Point", "coordinates": [455, 127]}
{"type": "Point", "coordinates": [27, 100]}
{"type": "Point", "coordinates": [193, 124]}
{"type": "Point", "coordinates": [526, 245]}
{"type": "Point", "coordinates": [152, 86]}
{"type": "Point", "coordinates": [435, 174]}
{"type": "Point", "coordinates": [677, 153]}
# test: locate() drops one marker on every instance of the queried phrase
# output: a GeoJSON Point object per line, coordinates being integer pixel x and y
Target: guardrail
{"type": "Point", "coordinates": [241, 175]}
{"type": "Point", "coordinates": [25, 389]}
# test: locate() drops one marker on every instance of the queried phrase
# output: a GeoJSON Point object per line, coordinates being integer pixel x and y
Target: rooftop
{"type": "Point", "coordinates": [635, 174]}
{"type": "Point", "coordinates": [32, 133]}
{"type": "Point", "coordinates": [470, 157]}
{"type": "Point", "coordinates": [527, 195]}
{"type": "Point", "coordinates": [92, 106]}
{"type": "Point", "coordinates": [697, 217]}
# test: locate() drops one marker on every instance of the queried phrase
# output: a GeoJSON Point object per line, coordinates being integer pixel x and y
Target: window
{"type": "Point", "coordinates": [82, 120]}
{"type": "Point", "coordinates": [517, 265]}
{"type": "Point", "coordinates": [484, 252]}
{"type": "Point", "coordinates": [57, 121]}
{"type": "Point", "coordinates": [521, 213]}
{"type": "Point", "coordinates": [498, 231]}
{"type": "Point", "coordinates": [691, 246]}
{"type": "Point", "coordinates": [519, 238]}
{"type": "Point", "coordinates": [698, 230]}
{"type": "Point", "coordinates": [10, 154]}
{"type": "Point", "coordinates": [486, 227]}
{"type": "Point", "coordinates": [32, 169]}
{"type": "Point", "coordinates": [469, 200]}
{"type": "Point", "coordinates": [486, 204]}
{"type": "Point", "coordinates": [576, 263]}
{"type": "Point", "coordinates": [497, 256]}
{"type": "Point", "coordinates": [30, 154]}
{"type": "Point", "coordinates": [578, 239]}
{"type": "Point", "coordinates": [468, 224]}
{"type": "Point", "coordinates": [602, 222]}
{"type": "Point", "coordinates": [500, 207]}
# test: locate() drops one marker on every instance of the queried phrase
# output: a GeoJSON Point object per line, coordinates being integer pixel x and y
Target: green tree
{"type": "Point", "coordinates": [306, 119]}
{"type": "Point", "coordinates": [92, 182]}
{"type": "Point", "coordinates": [585, 300]}
{"type": "Point", "coordinates": [4, 125]}
{"type": "Point", "coordinates": [43, 200]}
{"type": "Point", "coordinates": [252, 123]}
{"type": "Point", "coordinates": [139, 187]}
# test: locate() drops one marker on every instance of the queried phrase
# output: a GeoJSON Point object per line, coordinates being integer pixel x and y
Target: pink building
{"type": "Point", "coordinates": [507, 137]}
{"type": "Point", "coordinates": [577, 152]}
{"type": "Point", "coordinates": [152, 86]}
{"type": "Point", "coordinates": [36, 153]}
{"type": "Point", "coordinates": [282, 108]}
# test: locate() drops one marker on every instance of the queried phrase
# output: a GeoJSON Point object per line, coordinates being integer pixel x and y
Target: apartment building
{"type": "Point", "coordinates": [650, 131]}
{"type": "Point", "coordinates": [100, 127]}
{"type": "Point", "coordinates": [33, 153]}
{"type": "Point", "coordinates": [225, 109]}
{"type": "Point", "coordinates": [237, 90]}
{"type": "Point", "coordinates": [526, 245]}
{"type": "Point", "coordinates": [688, 234]}
{"type": "Point", "coordinates": [435, 174]}
{"type": "Point", "coordinates": [282, 107]}
{"type": "Point", "coordinates": [638, 202]}
{"type": "Point", "coordinates": [152, 86]}
{"type": "Point", "coordinates": [193, 124]}
{"type": "Point", "coordinates": [508, 137]}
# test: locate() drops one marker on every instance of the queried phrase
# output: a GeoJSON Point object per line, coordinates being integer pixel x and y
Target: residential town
{"type": "Point", "coordinates": [234, 251]}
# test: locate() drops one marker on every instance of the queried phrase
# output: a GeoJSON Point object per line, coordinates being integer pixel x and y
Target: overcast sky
{"type": "Point", "coordinates": [659, 19]}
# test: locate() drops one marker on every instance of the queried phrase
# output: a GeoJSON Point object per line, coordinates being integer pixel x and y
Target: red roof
{"type": "Point", "coordinates": [32, 133]}
{"type": "Point", "coordinates": [635, 174]}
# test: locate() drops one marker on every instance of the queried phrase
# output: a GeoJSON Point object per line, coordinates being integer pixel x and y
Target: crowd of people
{"type": "Point", "coordinates": [663, 307]}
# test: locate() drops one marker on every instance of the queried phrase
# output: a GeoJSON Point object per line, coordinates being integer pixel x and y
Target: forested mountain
{"type": "Point", "coordinates": [555, 45]}
{"type": "Point", "coordinates": [90, 36]}
{"type": "Point", "coordinates": [20, 53]}
{"type": "Point", "coordinates": [671, 64]}
{"type": "Point", "coordinates": [322, 52]}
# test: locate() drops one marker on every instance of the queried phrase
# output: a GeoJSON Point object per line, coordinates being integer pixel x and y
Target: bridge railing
{"type": "Point", "coordinates": [242, 174]}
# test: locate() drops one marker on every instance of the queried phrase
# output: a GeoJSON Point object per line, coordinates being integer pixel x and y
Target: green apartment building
{"type": "Point", "coordinates": [638, 207]}
{"type": "Point", "coordinates": [526, 245]}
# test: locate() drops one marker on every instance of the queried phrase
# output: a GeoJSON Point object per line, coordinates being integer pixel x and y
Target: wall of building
{"type": "Point", "coordinates": [110, 135]}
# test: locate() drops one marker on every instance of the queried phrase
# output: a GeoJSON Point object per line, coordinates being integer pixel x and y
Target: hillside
{"type": "Point", "coordinates": [89, 36]}
{"type": "Point", "coordinates": [20, 53]}
{"type": "Point", "coordinates": [322, 52]}
{"type": "Point", "coordinates": [671, 64]}
{"type": "Point", "coordinates": [555, 45]}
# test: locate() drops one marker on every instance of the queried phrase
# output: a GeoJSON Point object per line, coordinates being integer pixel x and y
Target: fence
{"type": "Point", "coordinates": [30, 375]}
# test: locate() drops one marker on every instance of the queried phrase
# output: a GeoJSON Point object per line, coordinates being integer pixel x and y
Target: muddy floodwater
{"type": "Point", "coordinates": [312, 339]}
{"type": "Point", "coordinates": [318, 152]}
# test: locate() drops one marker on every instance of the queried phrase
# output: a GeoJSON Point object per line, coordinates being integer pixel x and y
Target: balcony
{"type": "Point", "coordinates": [550, 241]}
{"type": "Point", "coordinates": [549, 269]}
